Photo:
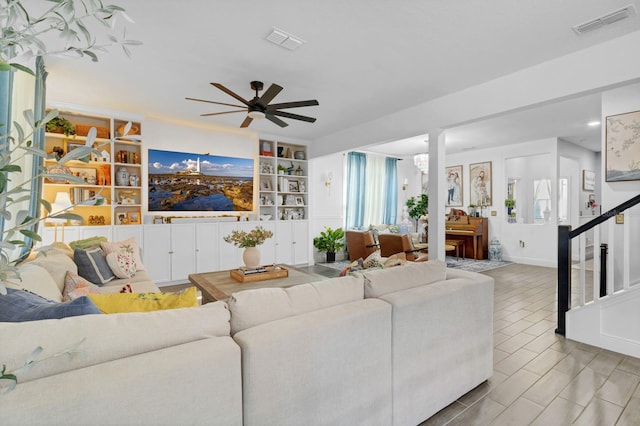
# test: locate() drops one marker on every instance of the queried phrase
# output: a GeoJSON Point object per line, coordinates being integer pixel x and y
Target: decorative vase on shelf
{"type": "Point", "coordinates": [251, 257]}
{"type": "Point", "coordinates": [122, 177]}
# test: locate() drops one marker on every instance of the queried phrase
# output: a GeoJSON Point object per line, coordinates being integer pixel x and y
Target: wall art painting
{"type": "Point", "coordinates": [623, 147]}
{"type": "Point", "coordinates": [480, 184]}
{"type": "Point", "coordinates": [453, 176]}
{"type": "Point", "coordinates": [180, 181]}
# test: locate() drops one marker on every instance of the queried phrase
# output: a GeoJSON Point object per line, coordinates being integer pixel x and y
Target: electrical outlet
{"type": "Point", "coordinates": [521, 244]}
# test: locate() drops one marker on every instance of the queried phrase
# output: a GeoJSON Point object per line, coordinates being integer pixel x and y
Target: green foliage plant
{"type": "Point", "coordinates": [330, 240]}
{"type": "Point", "coordinates": [60, 122]}
{"type": "Point", "coordinates": [418, 206]}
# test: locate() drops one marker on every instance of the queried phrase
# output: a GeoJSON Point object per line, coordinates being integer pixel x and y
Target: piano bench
{"type": "Point", "coordinates": [457, 244]}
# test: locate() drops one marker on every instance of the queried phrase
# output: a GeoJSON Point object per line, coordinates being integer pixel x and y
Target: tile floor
{"type": "Point", "coordinates": [541, 378]}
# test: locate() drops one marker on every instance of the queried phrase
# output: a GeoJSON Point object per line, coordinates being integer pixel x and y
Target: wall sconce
{"type": "Point", "coordinates": [327, 181]}
{"type": "Point", "coordinates": [405, 184]}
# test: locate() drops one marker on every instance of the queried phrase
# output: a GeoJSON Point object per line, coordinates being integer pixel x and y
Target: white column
{"type": "Point", "coordinates": [437, 191]}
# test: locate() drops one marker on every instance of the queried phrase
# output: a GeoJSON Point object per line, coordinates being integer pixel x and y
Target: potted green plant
{"type": "Point", "coordinates": [509, 203]}
{"type": "Point", "coordinates": [61, 125]}
{"type": "Point", "coordinates": [330, 241]}
{"type": "Point", "coordinates": [418, 207]}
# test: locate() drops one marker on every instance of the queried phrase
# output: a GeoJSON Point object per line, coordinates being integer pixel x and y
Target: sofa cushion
{"type": "Point", "coordinates": [56, 263]}
{"type": "Point", "coordinates": [374, 260]}
{"type": "Point", "coordinates": [75, 286]}
{"type": "Point", "coordinates": [382, 281]}
{"type": "Point", "coordinates": [122, 263]}
{"type": "Point", "coordinates": [129, 244]}
{"type": "Point", "coordinates": [144, 302]}
{"type": "Point", "coordinates": [253, 307]}
{"type": "Point", "coordinates": [37, 280]}
{"type": "Point", "coordinates": [20, 305]}
{"type": "Point", "coordinates": [93, 265]}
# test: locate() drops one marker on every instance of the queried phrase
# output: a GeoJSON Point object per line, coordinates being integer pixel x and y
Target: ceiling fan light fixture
{"type": "Point", "coordinates": [256, 114]}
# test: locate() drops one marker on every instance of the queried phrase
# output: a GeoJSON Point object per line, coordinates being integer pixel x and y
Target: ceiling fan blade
{"type": "Point", "coordinates": [225, 112]}
{"type": "Point", "coordinates": [275, 120]}
{"type": "Point", "coordinates": [246, 122]}
{"type": "Point", "coordinates": [293, 116]}
{"type": "Point", "coordinates": [271, 93]}
{"type": "Point", "coordinates": [292, 104]}
{"type": "Point", "coordinates": [230, 93]}
{"type": "Point", "coordinates": [213, 102]}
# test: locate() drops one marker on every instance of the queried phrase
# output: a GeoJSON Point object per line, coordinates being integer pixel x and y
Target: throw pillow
{"type": "Point", "coordinates": [144, 302]}
{"type": "Point", "coordinates": [129, 244]}
{"type": "Point", "coordinates": [353, 267]}
{"type": "Point", "coordinates": [374, 260]}
{"type": "Point", "coordinates": [20, 305]}
{"type": "Point", "coordinates": [75, 286]}
{"type": "Point", "coordinates": [87, 242]}
{"type": "Point", "coordinates": [122, 263]}
{"type": "Point", "coordinates": [397, 259]}
{"type": "Point", "coordinates": [92, 265]}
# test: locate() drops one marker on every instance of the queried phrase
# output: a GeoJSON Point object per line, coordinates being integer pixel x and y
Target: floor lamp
{"type": "Point", "coordinates": [62, 204]}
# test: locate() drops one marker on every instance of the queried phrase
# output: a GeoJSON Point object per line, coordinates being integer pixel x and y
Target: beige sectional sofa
{"type": "Point", "coordinates": [385, 347]}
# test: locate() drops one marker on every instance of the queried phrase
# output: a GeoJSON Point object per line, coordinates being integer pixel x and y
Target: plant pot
{"type": "Point", "coordinates": [251, 257]}
{"type": "Point", "coordinates": [331, 257]}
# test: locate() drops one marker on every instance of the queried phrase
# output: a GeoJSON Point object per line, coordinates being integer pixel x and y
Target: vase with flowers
{"type": "Point", "coordinates": [249, 241]}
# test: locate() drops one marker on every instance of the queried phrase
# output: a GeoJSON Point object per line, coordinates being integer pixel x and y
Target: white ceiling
{"type": "Point", "coordinates": [362, 60]}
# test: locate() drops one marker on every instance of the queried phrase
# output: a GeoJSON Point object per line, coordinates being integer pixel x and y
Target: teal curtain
{"type": "Point", "coordinates": [6, 84]}
{"type": "Point", "coordinates": [391, 191]}
{"type": "Point", "coordinates": [356, 180]}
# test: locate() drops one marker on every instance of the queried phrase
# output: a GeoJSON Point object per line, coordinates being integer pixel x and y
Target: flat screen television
{"type": "Point", "coordinates": [181, 181]}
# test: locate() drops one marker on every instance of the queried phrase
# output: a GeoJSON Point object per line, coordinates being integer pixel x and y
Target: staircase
{"type": "Point", "coordinates": [600, 306]}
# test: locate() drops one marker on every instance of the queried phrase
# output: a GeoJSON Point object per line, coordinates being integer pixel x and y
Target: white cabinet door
{"type": "Point", "coordinates": [156, 253]}
{"type": "Point", "coordinates": [96, 231]}
{"type": "Point", "coordinates": [300, 242]}
{"type": "Point", "coordinates": [51, 234]}
{"type": "Point", "coordinates": [230, 256]}
{"type": "Point", "coordinates": [208, 241]}
{"type": "Point", "coordinates": [124, 232]}
{"type": "Point", "coordinates": [183, 246]}
{"type": "Point", "coordinates": [284, 242]}
{"type": "Point", "coordinates": [268, 248]}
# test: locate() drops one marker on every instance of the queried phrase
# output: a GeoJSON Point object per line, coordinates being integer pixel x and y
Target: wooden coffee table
{"type": "Point", "coordinates": [219, 285]}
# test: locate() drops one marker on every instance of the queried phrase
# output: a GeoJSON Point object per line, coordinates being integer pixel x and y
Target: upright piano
{"type": "Point", "coordinates": [474, 231]}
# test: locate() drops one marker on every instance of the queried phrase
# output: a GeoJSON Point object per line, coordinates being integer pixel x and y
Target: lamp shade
{"type": "Point", "coordinates": [61, 204]}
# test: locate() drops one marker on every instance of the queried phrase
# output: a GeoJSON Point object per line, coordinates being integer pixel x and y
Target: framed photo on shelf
{"type": "Point", "coordinates": [294, 186]}
{"type": "Point", "coordinates": [265, 185]}
{"type": "Point", "coordinates": [623, 147]}
{"type": "Point", "coordinates": [121, 219]}
{"type": "Point", "coordinates": [480, 180]}
{"type": "Point", "coordinates": [453, 177]}
{"type": "Point", "coordinates": [133, 218]}
{"type": "Point", "coordinates": [299, 201]}
{"type": "Point", "coordinates": [588, 180]}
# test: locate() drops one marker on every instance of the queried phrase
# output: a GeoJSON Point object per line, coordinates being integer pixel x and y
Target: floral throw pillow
{"type": "Point", "coordinates": [122, 263]}
{"type": "Point", "coordinates": [129, 244]}
{"type": "Point", "coordinates": [76, 286]}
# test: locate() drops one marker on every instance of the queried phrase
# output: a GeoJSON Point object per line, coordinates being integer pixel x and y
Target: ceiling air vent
{"type": "Point", "coordinates": [284, 39]}
{"type": "Point", "coordinates": [603, 20]}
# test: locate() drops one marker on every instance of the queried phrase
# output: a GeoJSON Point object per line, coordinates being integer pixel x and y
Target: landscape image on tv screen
{"type": "Point", "coordinates": [180, 181]}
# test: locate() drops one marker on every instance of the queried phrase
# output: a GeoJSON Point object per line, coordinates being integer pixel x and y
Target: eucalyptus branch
{"type": "Point", "coordinates": [33, 359]}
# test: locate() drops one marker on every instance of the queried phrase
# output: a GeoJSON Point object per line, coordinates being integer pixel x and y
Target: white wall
{"type": "Point", "coordinates": [614, 102]}
{"type": "Point", "coordinates": [540, 240]}
{"type": "Point", "coordinates": [326, 202]}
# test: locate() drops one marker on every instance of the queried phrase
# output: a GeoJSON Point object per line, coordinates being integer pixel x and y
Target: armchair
{"type": "Point", "coordinates": [391, 244]}
{"type": "Point", "coordinates": [360, 244]}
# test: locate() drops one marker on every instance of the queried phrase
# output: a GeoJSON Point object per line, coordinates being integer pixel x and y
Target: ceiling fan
{"type": "Point", "coordinates": [259, 106]}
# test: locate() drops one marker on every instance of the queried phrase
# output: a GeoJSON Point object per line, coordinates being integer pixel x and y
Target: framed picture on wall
{"type": "Point", "coordinates": [480, 184]}
{"type": "Point", "coordinates": [588, 180]}
{"type": "Point", "coordinates": [453, 175]}
{"type": "Point", "coordinates": [623, 147]}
